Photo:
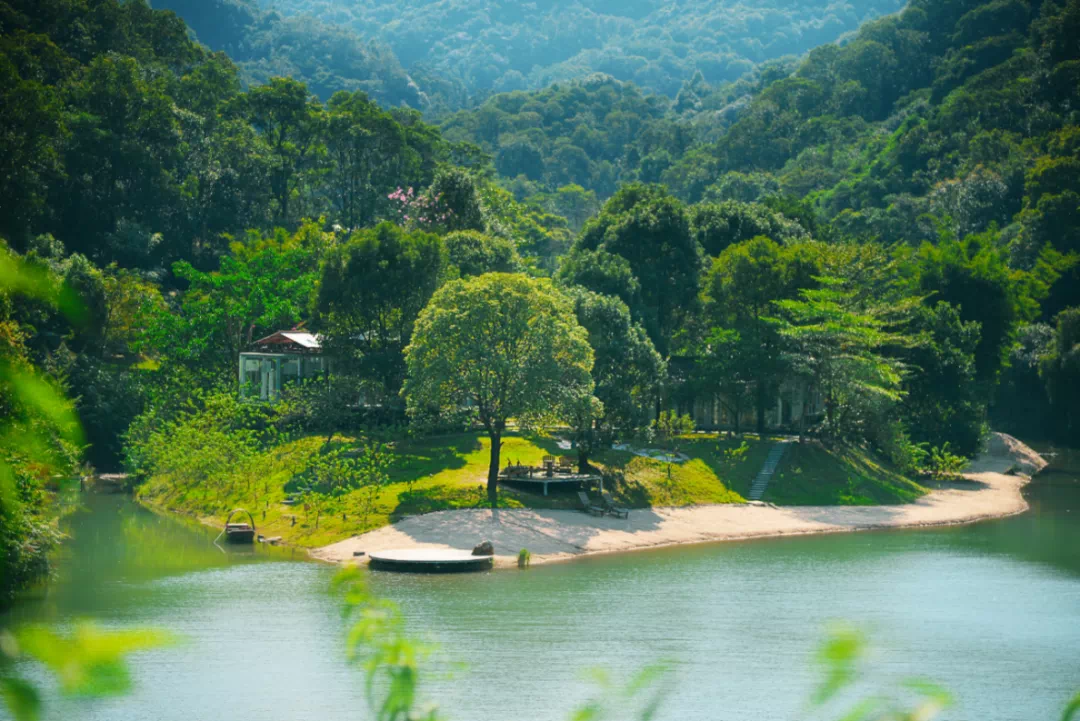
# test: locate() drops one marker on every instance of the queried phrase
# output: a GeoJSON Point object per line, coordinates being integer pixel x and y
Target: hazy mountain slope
{"type": "Point", "coordinates": [326, 56]}
{"type": "Point", "coordinates": [500, 45]}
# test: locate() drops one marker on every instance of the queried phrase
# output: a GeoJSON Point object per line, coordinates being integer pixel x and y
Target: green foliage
{"type": "Point", "coordinates": [524, 47]}
{"type": "Point", "coordinates": [334, 473]}
{"type": "Point", "coordinates": [838, 345]}
{"type": "Point", "coordinates": [505, 344]}
{"type": "Point", "coordinates": [1060, 368]}
{"type": "Point", "coordinates": [371, 291]}
{"type": "Point", "coordinates": [942, 403]}
{"type": "Point", "coordinates": [841, 658]}
{"type": "Point", "coordinates": [378, 644]}
{"type": "Point", "coordinates": [638, 698]}
{"type": "Point", "coordinates": [741, 354]}
{"type": "Point", "coordinates": [325, 55]}
{"type": "Point", "coordinates": [628, 371]}
{"type": "Point", "coordinates": [456, 191]}
{"type": "Point", "coordinates": [943, 463]}
{"type": "Point", "coordinates": [138, 146]}
{"type": "Point", "coordinates": [201, 441]}
{"type": "Point", "coordinates": [87, 663]}
{"type": "Point", "coordinates": [650, 230]}
{"type": "Point", "coordinates": [974, 277]}
{"type": "Point", "coordinates": [40, 433]}
{"type": "Point", "coordinates": [669, 425]}
{"type": "Point", "coordinates": [263, 285]}
{"type": "Point", "coordinates": [474, 253]}
{"type": "Point", "coordinates": [720, 225]}
{"type": "Point", "coordinates": [1072, 709]}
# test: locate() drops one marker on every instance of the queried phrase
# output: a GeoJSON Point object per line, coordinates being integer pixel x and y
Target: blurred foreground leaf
{"type": "Point", "coordinates": [89, 662]}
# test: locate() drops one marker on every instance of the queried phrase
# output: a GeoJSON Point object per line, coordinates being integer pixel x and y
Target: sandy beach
{"type": "Point", "coordinates": [992, 489]}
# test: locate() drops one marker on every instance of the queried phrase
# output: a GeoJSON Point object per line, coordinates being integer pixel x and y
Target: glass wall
{"type": "Point", "coordinates": [262, 375]}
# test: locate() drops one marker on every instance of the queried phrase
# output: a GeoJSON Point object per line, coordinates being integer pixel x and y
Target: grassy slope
{"type": "Point", "coordinates": [811, 475]}
{"type": "Point", "coordinates": [449, 471]}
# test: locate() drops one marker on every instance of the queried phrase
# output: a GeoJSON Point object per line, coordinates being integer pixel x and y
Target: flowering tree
{"type": "Point", "coordinates": [418, 211]}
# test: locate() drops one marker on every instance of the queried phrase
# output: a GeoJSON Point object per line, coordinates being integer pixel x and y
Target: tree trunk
{"type": "Point", "coordinates": [829, 411]}
{"type": "Point", "coordinates": [493, 467]}
{"type": "Point", "coordinates": [761, 398]}
{"type": "Point", "coordinates": [802, 414]}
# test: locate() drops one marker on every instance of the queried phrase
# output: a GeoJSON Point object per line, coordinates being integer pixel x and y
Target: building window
{"type": "Point", "coordinates": [290, 371]}
{"type": "Point", "coordinates": [252, 377]}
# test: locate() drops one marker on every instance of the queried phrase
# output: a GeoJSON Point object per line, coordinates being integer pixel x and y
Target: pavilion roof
{"type": "Point", "coordinates": [295, 341]}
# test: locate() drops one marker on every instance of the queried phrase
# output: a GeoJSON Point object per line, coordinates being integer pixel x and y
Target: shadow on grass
{"type": "Point", "coordinates": [425, 457]}
{"type": "Point", "coordinates": [442, 497]}
{"type": "Point", "coordinates": [437, 498]}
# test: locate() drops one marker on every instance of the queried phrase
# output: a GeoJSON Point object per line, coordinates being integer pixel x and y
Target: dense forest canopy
{"type": "Point", "coordinates": [889, 224]}
{"type": "Point", "coordinates": [457, 49]}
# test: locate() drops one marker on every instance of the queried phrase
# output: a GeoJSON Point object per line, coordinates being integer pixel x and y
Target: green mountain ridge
{"type": "Point", "coordinates": [455, 50]}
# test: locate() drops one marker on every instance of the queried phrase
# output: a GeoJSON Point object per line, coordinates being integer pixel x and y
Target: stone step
{"type": "Point", "coordinates": [772, 462]}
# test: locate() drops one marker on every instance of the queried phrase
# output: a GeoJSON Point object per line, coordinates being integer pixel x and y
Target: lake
{"type": "Point", "coordinates": [990, 611]}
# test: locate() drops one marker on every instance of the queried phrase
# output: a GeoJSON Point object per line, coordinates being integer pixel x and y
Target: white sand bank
{"type": "Point", "coordinates": [991, 491]}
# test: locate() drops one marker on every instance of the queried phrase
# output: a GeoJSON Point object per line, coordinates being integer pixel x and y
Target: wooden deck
{"type": "Point", "coordinates": [429, 560]}
{"type": "Point", "coordinates": [537, 480]}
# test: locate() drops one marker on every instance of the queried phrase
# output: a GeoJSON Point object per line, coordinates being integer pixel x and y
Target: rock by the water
{"type": "Point", "coordinates": [484, 548]}
{"type": "Point", "coordinates": [1025, 461]}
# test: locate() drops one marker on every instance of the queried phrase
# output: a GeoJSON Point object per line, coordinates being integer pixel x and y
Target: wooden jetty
{"type": "Point", "coordinates": [429, 560]}
{"type": "Point", "coordinates": [240, 532]}
{"type": "Point", "coordinates": [554, 473]}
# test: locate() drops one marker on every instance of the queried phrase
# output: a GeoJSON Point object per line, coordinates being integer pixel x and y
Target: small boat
{"type": "Point", "coordinates": [240, 532]}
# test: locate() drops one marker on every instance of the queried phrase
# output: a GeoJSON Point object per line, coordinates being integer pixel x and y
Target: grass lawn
{"type": "Point", "coordinates": [448, 472]}
{"type": "Point", "coordinates": [811, 475]}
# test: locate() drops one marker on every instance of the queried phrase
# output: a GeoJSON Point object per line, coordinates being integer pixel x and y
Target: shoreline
{"type": "Point", "coordinates": [991, 489]}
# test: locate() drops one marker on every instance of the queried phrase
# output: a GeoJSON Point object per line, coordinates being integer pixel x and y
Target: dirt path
{"type": "Point", "coordinates": [991, 491]}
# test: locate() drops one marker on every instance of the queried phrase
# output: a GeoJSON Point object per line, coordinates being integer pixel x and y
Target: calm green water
{"type": "Point", "coordinates": [991, 611]}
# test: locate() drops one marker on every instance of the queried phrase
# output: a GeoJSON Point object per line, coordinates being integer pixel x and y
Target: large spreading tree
{"type": "Point", "coordinates": [506, 345]}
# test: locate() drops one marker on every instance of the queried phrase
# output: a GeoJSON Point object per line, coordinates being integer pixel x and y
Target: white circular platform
{"type": "Point", "coordinates": [427, 555]}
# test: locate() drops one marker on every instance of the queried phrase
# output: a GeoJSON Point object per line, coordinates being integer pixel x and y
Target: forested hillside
{"type": "Point", "coordinates": [325, 55]}
{"type": "Point", "coordinates": [882, 235]}
{"type": "Point", "coordinates": [959, 113]}
{"type": "Point", "coordinates": [457, 49]}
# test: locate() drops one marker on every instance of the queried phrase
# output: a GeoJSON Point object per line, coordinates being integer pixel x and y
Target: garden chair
{"type": "Point", "coordinates": [566, 464]}
{"type": "Point", "coordinates": [611, 507]}
{"type": "Point", "coordinates": [588, 506]}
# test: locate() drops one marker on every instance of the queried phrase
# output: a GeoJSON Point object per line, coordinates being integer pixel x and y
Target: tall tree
{"type": "Point", "coordinates": [474, 253]}
{"type": "Point", "coordinates": [1061, 370]}
{"type": "Point", "coordinates": [291, 121]}
{"type": "Point", "coordinates": [506, 345]}
{"type": "Point", "coordinates": [367, 151]}
{"type": "Point", "coordinates": [840, 347]}
{"type": "Point", "coordinates": [745, 281]}
{"type": "Point", "coordinates": [264, 285]}
{"type": "Point", "coordinates": [943, 404]}
{"type": "Point", "coordinates": [628, 371]}
{"type": "Point", "coordinates": [371, 291]}
{"type": "Point", "coordinates": [650, 229]}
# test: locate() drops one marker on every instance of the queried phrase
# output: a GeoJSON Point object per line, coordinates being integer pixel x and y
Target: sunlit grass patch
{"type": "Point", "coordinates": [812, 475]}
